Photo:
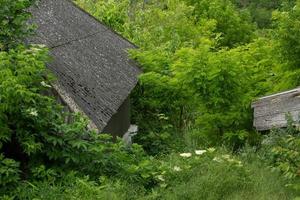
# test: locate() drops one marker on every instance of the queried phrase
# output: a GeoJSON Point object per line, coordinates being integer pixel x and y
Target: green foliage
{"type": "Point", "coordinates": [202, 174]}
{"type": "Point", "coordinates": [225, 83]}
{"type": "Point", "coordinates": [162, 103]}
{"type": "Point", "coordinates": [21, 72]}
{"type": "Point", "coordinates": [288, 34]}
{"type": "Point", "coordinates": [281, 149]}
{"type": "Point", "coordinates": [35, 140]}
{"type": "Point", "coordinates": [163, 28]}
{"type": "Point", "coordinates": [111, 12]}
{"type": "Point", "coordinates": [13, 17]}
{"type": "Point", "coordinates": [233, 25]}
{"type": "Point", "coordinates": [188, 78]}
{"type": "Point", "coordinates": [203, 66]}
{"type": "Point", "coordinates": [261, 10]}
{"type": "Point", "coordinates": [71, 186]}
{"type": "Point", "coordinates": [9, 171]}
{"type": "Point", "coordinates": [223, 176]}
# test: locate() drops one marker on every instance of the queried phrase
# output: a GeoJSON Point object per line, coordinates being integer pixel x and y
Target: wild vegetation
{"type": "Point", "coordinates": [203, 61]}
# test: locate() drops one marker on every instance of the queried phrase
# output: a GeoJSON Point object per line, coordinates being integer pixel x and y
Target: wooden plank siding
{"type": "Point", "coordinates": [270, 111]}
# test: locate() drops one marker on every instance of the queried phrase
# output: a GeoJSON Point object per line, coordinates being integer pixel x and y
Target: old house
{"type": "Point", "coordinates": [271, 111]}
{"type": "Point", "coordinates": [94, 74]}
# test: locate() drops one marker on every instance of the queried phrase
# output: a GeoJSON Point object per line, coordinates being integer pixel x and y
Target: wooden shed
{"type": "Point", "coordinates": [271, 111]}
{"type": "Point", "coordinates": [94, 74]}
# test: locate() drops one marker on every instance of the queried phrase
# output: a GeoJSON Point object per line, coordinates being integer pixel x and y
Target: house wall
{"type": "Point", "coordinates": [69, 105]}
{"type": "Point", "coordinates": [120, 122]}
{"type": "Point", "coordinates": [270, 111]}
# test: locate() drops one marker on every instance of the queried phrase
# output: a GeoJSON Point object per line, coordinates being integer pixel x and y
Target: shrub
{"type": "Point", "coordinates": [111, 12]}
{"type": "Point", "coordinates": [35, 135]}
{"type": "Point", "coordinates": [224, 83]}
{"type": "Point", "coordinates": [233, 25]}
{"type": "Point", "coordinates": [281, 150]}
{"type": "Point", "coordinates": [287, 32]}
{"type": "Point", "coordinates": [9, 171]}
{"type": "Point", "coordinates": [202, 174]}
{"type": "Point", "coordinates": [13, 22]}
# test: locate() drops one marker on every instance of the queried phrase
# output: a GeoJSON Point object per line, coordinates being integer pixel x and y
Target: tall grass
{"type": "Point", "coordinates": [210, 176]}
{"type": "Point", "coordinates": [224, 182]}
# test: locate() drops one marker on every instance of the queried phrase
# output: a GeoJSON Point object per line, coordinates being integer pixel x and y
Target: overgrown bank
{"type": "Point", "coordinates": [203, 61]}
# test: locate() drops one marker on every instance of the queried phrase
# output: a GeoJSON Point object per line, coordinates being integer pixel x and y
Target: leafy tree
{"type": "Point", "coordinates": [202, 68]}
{"type": "Point", "coordinates": [173, 32]}
{"type": "Point", "coordinates": [234, 26]}
{"type": "Point", "coordinates": [261, 10]}
{"type": "Point", "coordinates": [13, 22]}
{"type": "Point", "coordinates": [225, 83]}
{"type": "Point", "coordinates": [114, 13]}
{"type": "Point", "coordinates": [287, 33]}
{"type": "Point", "coordinates": [161, 28]}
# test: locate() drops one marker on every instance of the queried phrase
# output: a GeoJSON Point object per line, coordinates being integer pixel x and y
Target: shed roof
{"type": "Point", "coordinates": [89, 59]}
{"type": "Point", "coordinates": [270, 111]}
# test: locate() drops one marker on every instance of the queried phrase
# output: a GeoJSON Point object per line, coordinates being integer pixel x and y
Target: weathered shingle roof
{"type": "Point", "coordinates": [270, 111]}
{"type": "Point", "coordinates": [89, 59]}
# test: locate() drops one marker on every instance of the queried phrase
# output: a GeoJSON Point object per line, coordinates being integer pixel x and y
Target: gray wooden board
{"type": "Point", "coordinates": [270, 111]}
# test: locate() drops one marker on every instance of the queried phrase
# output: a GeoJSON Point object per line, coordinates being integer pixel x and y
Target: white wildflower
{"type": "Point", "coordinates": [200, 152]}
{"type": "Point", "coordinates": [210, 150]}
{"type": "Point", "coordinates": [217, 159]}
{"type": "Point", "coordinates": [44, 84]}
{"type": "Point", "coordinates": [226, 156]}
{"type": "Point", "coordinates": [32, 112]}
{"type": "Point", "coordinates": [239, 164]}
{"type": "Point", "coordinates": [36, 49]}
{"type": "Point", "coordinates": [160, 177]}
{"type": "Point", "coordinates": [187, 155]}
{"type": "Point", "coordinates": [177, 169]}
{"type": "Point", "coordinates": [295, 7]}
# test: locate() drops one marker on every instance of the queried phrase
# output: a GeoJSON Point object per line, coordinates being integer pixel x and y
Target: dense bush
{"type": "Point", "coordinates": [287, 33]}
{"type": "Point", "coordinates": [281, 150]}
{"type": "Point", "coordinates": [203, 65]}
{"type": "Point", "coordinates": [13, 17]}
{"type": "Point", "coordinates": [164, 41]}
{"type": "Point", "coordinates": [189, 79]}
{"type": "Point", "coordinates": [232, 25]}
{"type": "Point", "coordinates": [36, 143]}
{"type": "Point", "coordinates": [261, 10]}
{"type": "Point", "coordinates": [201, 174]}
{"type": "Point", "coordinates": [35, 140]}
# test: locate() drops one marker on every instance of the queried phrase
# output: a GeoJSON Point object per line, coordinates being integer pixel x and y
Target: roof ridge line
{"type": "Point", "coordinates": [108, 27]}
{"type": "Point", "coordinates": [77, 39]}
